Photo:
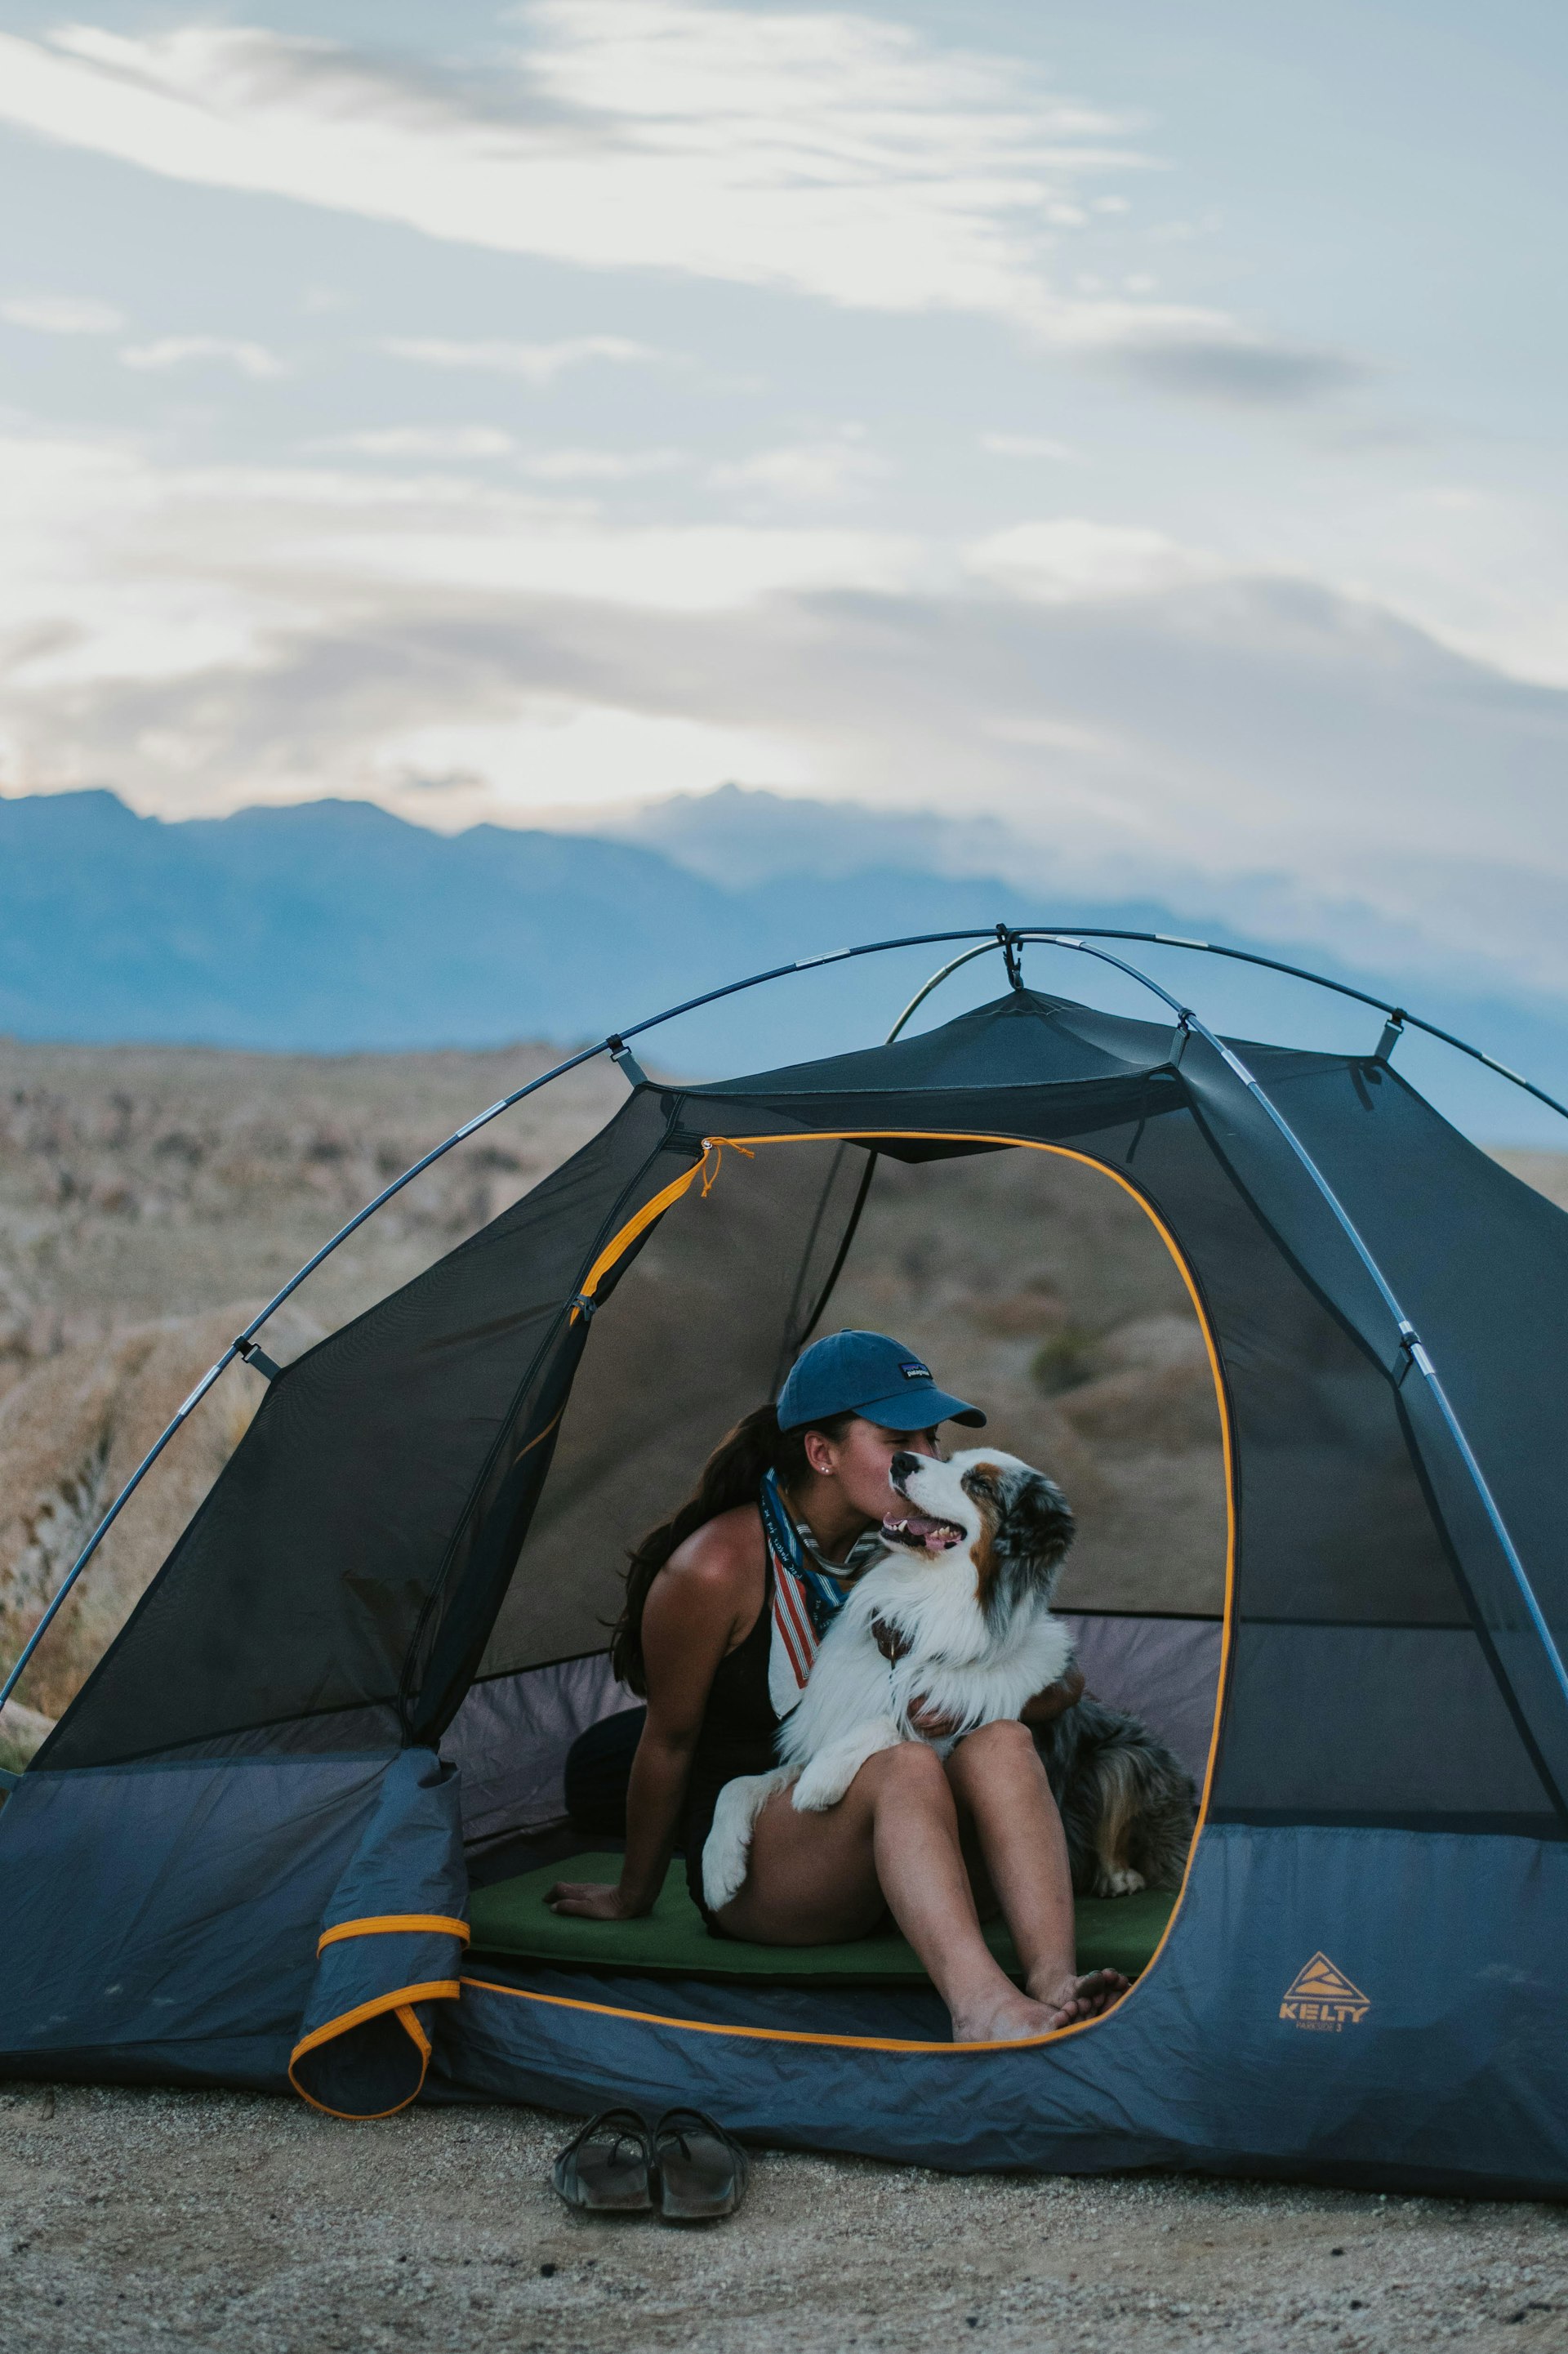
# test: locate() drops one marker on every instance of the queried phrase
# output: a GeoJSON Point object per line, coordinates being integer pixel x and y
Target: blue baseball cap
{"type": "Point", "coordinates": [868, 1375]}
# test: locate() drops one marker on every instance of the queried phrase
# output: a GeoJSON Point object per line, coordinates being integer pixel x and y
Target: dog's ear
{"type": "Point", "coordinates": [1031, 1527]}
{"type": "Point", "coordinates": [983, 1481]}
{"type": "Point", "coordinates": [1038, 1517]}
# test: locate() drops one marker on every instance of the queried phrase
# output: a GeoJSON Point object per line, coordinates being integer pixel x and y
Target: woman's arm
{"type": "Point", "coordinates": [706, 1596]}
{"type": "Point", "coordinates": [1055, 1700]}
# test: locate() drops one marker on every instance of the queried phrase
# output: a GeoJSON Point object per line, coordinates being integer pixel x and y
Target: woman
{"type": "Point", "coordinates": [784, 1518]}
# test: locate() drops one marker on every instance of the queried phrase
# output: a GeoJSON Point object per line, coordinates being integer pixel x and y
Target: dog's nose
{"type": "Point", "coordinates": [904, 1463]}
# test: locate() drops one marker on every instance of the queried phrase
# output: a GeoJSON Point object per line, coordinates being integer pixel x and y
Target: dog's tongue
{"type": "Point", "coordinates": [919, 1529]}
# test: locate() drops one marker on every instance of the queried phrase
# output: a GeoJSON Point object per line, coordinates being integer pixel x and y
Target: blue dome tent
{"type": "Point", "coordinates": [239, 1857]}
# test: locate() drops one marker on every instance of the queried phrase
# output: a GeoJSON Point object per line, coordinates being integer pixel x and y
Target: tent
{"type": "Point", "coordinates": [239, 1858]}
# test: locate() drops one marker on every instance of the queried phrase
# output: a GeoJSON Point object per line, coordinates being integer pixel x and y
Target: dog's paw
{"type": "Point", "coordinates": [727, 1850]}
{"type": "Point", "coordinates": [829, 1775]}
{"type": "Point", "coordinates": [1118, 1882]}
{"type": "Point", "coordinates": [724, 1873]}
{"type": "Point", "coordinates": [819, 1788]}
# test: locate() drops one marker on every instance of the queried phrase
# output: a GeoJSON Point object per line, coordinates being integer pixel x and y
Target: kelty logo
{"type": "Point", "coordinates": [1321, 1997]}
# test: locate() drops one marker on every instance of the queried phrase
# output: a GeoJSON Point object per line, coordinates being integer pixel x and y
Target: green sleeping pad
{"type": "Point", "coordinates": [511, 1918]}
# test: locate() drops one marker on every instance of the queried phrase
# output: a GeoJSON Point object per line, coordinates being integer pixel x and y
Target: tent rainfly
{"type": "Point", "coordinates": [239, 1857]}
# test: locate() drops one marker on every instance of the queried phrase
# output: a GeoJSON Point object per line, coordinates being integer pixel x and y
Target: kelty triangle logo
{"type": "Point", "coordinates": [1322, 1997]}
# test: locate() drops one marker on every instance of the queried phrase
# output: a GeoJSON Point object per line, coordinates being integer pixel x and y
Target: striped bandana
{"type": "Point", "coordinates": [808, 1593]}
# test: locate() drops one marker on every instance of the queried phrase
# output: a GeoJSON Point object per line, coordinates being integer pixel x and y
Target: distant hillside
{"type": "Point", "coordinates": [333, 926]}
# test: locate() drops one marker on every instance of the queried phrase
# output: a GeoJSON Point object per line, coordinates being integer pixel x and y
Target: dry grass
{"type": "Point", "coordinates": [151, 1200]}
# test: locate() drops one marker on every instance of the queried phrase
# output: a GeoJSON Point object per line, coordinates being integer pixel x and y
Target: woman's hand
{"type": "Point", "coordinates": [1055, 1700]}
{"type": "Point", "coordinates": [925, 1720]}
{"type": "Point", "coordinates": [923, 1717]}
{"type": "Point", "coordinates": [593, 1900]}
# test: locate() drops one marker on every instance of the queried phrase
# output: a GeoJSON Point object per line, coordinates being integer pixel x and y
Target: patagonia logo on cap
{"type": "Point", "coordinates": [914, 1371]}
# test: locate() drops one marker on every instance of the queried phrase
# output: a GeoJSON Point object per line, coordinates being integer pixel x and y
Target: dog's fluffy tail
{"type": "Point", "coordinates": [727, 1850]}
{"type": "Point", "coordinates": [1120, 1796]}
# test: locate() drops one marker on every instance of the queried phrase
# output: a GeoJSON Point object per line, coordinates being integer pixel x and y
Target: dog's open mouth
{"type": "Point", "coordinates": [921, 1531]}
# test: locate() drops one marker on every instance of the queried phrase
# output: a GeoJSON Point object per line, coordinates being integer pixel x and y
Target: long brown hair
{"type": "Point", "coordinates": [731, 1475]}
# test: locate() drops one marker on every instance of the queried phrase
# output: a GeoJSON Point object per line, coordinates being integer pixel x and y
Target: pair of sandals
{"type": "Point", "coordinates": [686, 2165]}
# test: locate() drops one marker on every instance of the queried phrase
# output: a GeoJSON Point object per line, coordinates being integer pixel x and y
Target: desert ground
{"type": "Point", "coordinates": [251, 2226]}
{"type": "Point", "coordinates": [149, 1200]}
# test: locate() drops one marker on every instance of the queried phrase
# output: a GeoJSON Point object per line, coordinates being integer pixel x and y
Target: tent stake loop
{"type": "Point", "coordinates": [620, 1052]}
{"type": "Point", "coordinates": [1393, 1031]}
{"type": "Point", "coordinates": [1008, 940]}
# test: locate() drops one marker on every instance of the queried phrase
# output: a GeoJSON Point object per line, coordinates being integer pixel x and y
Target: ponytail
{"type": "Point", "coordinates": [731, 1475]}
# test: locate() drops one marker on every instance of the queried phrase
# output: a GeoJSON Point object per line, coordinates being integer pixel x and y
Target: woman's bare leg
{"type": "Point", "coordinates": [893, 1843]}
{"type": "Point", "coordinates": [1000, 1782]}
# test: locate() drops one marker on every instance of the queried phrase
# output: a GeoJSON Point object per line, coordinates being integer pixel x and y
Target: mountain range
{"type": "Point", "coordinates": [335, 927]}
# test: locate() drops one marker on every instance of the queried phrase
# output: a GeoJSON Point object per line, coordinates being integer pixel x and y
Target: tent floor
{"type": "Point", "coordinates": [510, 1917]}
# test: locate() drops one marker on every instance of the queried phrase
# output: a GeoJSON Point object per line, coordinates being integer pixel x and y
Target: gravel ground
{"type": "Point", "coordinates": [231, 2222]}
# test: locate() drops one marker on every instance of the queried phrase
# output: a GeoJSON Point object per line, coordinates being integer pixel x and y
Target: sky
{"type": "Point", "coordinates": [1138, 425]}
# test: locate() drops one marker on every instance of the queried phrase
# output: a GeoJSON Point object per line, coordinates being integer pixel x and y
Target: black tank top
{"type": "Point", "coordinates": [736, 1736]}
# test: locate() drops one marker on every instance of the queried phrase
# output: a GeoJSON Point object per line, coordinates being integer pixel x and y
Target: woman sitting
{"type": "Point", "coordinates": [725, 1606]}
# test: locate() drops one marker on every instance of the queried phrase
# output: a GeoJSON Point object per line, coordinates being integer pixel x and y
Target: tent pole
{"type": "Point", "coordinates": [1398, 1016]}
{"type": "Point", "coordinates": [1007, 938]}
{"type": "Point", "coordinates": [1411, 1341]}
{"type": "Point", "coordinates": [935, 981]}
{"type": "Point", "coordinates": [110, 1516]}
{"type": "Point", "coordinates": [241, 1347]}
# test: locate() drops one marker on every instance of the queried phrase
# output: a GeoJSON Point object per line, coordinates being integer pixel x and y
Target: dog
{"type": "Point", "coordinates": [1127, 1802]}
{"type": "Point", "coordinates": [955, 1614]}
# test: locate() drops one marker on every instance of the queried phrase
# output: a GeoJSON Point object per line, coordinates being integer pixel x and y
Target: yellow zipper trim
{"type": "Point", "coordinates": [713, 1148]}
{"type": "Point", "coordinates": [401, 2002]}
{"type": "Point", "coordinates": [707, 1169]}
{"type": "Point", "coordinates": [381, 1925]}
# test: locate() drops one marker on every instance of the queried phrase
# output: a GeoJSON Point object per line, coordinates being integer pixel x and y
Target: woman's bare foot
{"type": "Point", "coordinates": [1070, 1998]}
{"type": "Point", "coordinates": [1011, 2018]}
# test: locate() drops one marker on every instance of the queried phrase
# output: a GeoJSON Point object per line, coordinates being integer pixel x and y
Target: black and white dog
{"type": "Point", "coordinates": [956, 1616]}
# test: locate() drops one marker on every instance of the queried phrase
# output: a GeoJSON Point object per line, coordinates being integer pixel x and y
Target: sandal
{"type": "Point", "coordinates": [607, 2168]}
{"type": "Point", "coordinates": [702, 2171]}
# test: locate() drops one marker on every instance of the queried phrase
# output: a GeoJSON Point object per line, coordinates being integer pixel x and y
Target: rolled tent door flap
{"type": "Point", "coordinates": [390, 1950]}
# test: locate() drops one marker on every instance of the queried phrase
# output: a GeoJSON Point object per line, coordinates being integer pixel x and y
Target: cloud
{"type": "Point", "coordinates": [62, 314]}
{"type": "Point", "coordinates": [602, 465]}
{"type": "Point", "coordinates": [1028, 445]}
{"type": "Point", "coordinates": [1201, 352]}
{"type": "Point", "coordinates": [438, 441]}
{"type": "Point", "coordinates": [1241, 370]}
{"type": "Point", "coordinates": [535, 363]}
{"type": "Point", "coordinates": [201, 636]}
{"type": "Point", "coordinates": [551, 751]}
{"type": "Point", "coordinates": [1071, 560]}
{"type": "Point", "coordinates": [117, 567]}
{"type": "Point", "coordinates": [825, 470]}
{"type": "Point", "coordinates": [832, 154]}
{"type": "Point", "coordinates": [183, 351]}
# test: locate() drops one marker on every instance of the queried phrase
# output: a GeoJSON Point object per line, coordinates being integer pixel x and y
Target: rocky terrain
{"type": "Point", "coordinates": [151, 1200]}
